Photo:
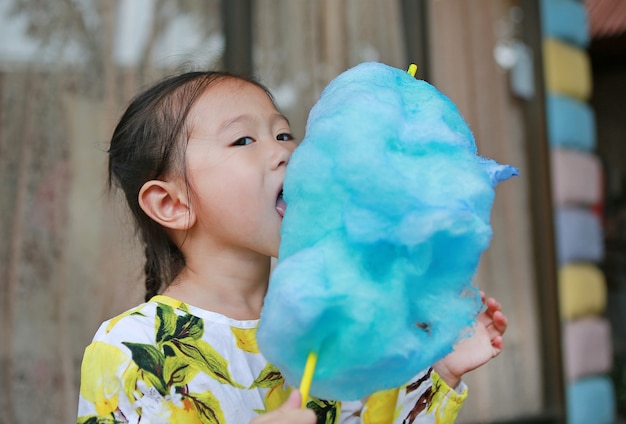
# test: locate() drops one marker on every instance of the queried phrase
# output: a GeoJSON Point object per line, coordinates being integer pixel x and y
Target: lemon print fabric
{"type": "Point", "coordinates": [169, 362]}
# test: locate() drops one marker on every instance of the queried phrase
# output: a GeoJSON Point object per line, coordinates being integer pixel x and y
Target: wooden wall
{"type": "Point", "coordinates": [462, 41]}
{"type": "Point", "coordinates": [322, 39]}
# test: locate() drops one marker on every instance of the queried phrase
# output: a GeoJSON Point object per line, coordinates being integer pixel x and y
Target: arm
{"type": "Point", "coordinates": [102, 395]}
{"type": "Point", "coordinates": [426, 399]}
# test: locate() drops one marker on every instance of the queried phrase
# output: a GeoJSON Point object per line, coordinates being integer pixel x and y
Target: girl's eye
{"type": "Point", "coordinates": [243, 141]}
{"type": "Point", "coordinates": [284, 137]}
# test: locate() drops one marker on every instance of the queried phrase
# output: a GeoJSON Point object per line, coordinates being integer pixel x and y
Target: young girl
{"type": "Point", "coordinates": [201, 159]}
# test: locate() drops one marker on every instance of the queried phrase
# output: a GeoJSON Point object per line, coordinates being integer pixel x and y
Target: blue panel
{"type": "Point", "coordinates": [579, 235]}
{"type": "Point", "coordinates": [571, 123]}
{"type": "Point", "coordinates": [566, 20]}
{"type": "Point", "coordinates": [591, 401]}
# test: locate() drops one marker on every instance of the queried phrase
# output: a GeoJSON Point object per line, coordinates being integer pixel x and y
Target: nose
{"type": "Point", "coordinates": [280, 153]}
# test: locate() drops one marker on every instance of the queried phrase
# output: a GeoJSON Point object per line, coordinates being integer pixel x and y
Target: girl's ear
{"type": "Point", "coordinates": [166, 204]}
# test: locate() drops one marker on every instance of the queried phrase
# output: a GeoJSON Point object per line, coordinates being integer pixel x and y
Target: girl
{"type": "Point", "coordinates": [201, 159]}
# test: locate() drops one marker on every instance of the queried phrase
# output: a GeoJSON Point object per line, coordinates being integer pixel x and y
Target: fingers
{"type": "Point", "coordinates": [492, 305]}
{"type": "Point", "coordinates": [289, 413]}
{"type": "Point", "coordinates": [495, 309]}
{"type": "Point", "coordinates": [500, 322]}
{"type": "Point", "coordinates": [496, 329]}
{"type": "Point", "coordinates": [494, 322]}
{"type": "Point", "coordinates": [294, 401]}
{"type": "Point", "coordinates": [497, 343]}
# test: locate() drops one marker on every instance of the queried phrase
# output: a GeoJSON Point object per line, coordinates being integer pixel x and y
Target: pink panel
{"type": "Point", "coordinates": [576, 178]}
{"type": "Point", "coordinates": [587, 347]}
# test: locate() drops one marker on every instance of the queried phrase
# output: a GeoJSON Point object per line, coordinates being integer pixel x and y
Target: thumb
{"type": "Point", "coordinates": [294, 401]}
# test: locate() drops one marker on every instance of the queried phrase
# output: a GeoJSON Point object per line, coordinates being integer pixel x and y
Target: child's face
{"type": "Point", "coordinates": [237, 154]}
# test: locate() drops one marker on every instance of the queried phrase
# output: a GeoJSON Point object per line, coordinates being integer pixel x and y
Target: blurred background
{"type": "Point", "coordinates": [541, 82]}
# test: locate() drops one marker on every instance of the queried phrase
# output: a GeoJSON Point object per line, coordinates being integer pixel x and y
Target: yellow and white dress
{"type": "Point", "coordinates": [168, 362]}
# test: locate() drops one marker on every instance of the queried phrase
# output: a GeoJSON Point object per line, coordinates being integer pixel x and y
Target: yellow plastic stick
{"type": "Point", "coordinates": [307, 378]}
{"type": "Point", "coordinates": [412, 69]}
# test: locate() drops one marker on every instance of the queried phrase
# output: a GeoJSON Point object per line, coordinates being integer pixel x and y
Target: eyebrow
{"type": "Point", "coordinates": [281, 116]}
{"type": "Point", "coordinates": [244, 118]}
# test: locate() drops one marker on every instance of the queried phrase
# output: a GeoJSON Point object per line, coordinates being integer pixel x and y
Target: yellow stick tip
{"type": "Point", "coordinates": [412, 69]}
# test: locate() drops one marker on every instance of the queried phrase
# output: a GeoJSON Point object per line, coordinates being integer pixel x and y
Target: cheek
{"type": "Point", "coordinates": [228, 201]}
{"type": "Point", "coordinates": [207, 199]}
{"type": "Point", "coordinates": [231, 188]}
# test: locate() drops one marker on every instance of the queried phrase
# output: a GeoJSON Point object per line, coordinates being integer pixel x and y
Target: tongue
{"type": "Point", "coordinates": [281, 206]}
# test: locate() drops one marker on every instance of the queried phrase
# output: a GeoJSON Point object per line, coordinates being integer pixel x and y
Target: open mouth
{"type": "Point", "coordinates": [281, 206]}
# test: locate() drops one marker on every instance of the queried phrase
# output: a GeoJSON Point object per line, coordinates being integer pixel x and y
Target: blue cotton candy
{"type": "Point", "coordinates": [388, 209]}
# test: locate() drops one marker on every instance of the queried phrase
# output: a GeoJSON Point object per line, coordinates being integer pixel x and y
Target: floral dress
{"type": "Point", "coordinates": [168, 362]}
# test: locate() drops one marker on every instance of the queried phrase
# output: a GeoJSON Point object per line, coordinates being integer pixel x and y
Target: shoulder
{"type": "Point", "coordinates": [136, 324]}
{"type": "Point", "coordinates": [163, 318]}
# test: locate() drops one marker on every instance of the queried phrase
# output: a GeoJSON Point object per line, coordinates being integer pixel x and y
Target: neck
{"type": "Point", "coordinates": [230, 284]}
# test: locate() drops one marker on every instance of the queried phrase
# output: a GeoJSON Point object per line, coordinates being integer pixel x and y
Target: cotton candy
{"type": "Point", "coordinates": [388, 208]}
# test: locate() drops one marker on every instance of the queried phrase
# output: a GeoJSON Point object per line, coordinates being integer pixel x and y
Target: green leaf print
{"type": "Point", "coordinates": [151, 361]}
{"type": "Point", "coordinates": [177, 371]}
{"type": "Point", "coordinates": [189, 326]}
{"type": "Point", "coordinates": [165, 322]}
{"type": "Point", "coordinates": [94, 419]}
{"type": "Point", "coordinates": [326, 411]}
{"type": "Point", "coordinates": [172, 326]}
{"type": "Point", "coordinates": [268, 377]}
{"type": "Point", "coordinates": [202, 356]}
{"type": "Point", "coordinates": [208, 408]}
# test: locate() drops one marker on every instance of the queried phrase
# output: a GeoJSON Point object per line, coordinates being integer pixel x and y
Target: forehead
{"type": "Point", "coordinates": [230, 106]}
{"type": "Point", "coordinates": [229, 95]}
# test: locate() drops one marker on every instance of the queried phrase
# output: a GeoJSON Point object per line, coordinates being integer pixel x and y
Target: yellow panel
{"type": "Point", "coordinates": [582, 290]}
{"type": "Point", "coordinates": [567, 69]}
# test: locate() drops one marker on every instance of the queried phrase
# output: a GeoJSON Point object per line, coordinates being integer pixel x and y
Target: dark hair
{"type": "Point", "coordinates": [149, 142]}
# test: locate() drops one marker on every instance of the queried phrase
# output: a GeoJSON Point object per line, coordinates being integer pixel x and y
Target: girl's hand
{"type": "Point", "coordinates": [290, 413]}
{"type": "Point", "coordinates": [484, 344]}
